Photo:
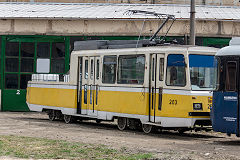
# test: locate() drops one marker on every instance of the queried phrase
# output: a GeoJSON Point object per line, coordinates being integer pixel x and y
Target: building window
{"type": "Point", "coordinates": [27, 49]}
{"type": "Point", "coordinates": [57, 66]}
{"type": "Point", "coordinates": [27, 65]}
{"type": "Point", "coordinates": [58, 50]}
{"type": "Point", "coordinates": [58, 58]}
{"type": "Point", "coordinates": [24, 78]}
{"type": "Point", "coordinates": [12, 49]}
{"type": "Point", "coordinates": [43, 50]}
{"type": "Point", "coordinates": [11, 81]}
{"type": "Point", "coordinates": [12, 57]}
{"type": "Point", "coordinates": [27, 57]}
{"type": "Point", "coordinates": [11, 65]}
{"type": "Point", "coordinates": [22, 59]}
{"type": "Point", "coordinates": [43, 57]}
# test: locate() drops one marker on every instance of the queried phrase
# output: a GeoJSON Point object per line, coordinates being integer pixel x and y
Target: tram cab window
{"type": "Point", "coordinates": [231, 76]}
{"type": "Point", "coordinates": [202, 72]}
{"type": "Point", "coordinates": [131, 69]}
{"type": "Point", "coordinates": [176, 75]}
{"type": "Point", "coordinates": [109, 69]}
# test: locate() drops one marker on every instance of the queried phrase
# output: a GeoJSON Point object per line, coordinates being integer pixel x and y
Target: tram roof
{"type": "Point", "coordinates": [156, 49]}
{"type": "Point", "coordinates": [232, 49]}
{"type": "Point", "coordinates": [33, 10]}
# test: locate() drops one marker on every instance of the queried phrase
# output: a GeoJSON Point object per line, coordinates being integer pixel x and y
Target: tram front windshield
{"type": "Point", "coordinates": [202, 72]}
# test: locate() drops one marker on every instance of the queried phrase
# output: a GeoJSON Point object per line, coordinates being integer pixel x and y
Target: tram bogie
{"type": "Point", "coordinates": [150, 87]}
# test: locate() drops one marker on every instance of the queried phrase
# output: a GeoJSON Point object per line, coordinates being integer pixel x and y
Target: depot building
{"type": "Point", "coordinates": [38, 38]}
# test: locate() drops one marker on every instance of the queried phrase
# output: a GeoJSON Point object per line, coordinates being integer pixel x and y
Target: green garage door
{"type": "Point", "coordinates": [23, 56]}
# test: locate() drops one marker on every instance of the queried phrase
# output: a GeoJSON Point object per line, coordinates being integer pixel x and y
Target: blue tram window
{"type": "Point", "coordinates": [176, 75]}
{"type": "Point", "coordinates": [202, 72]}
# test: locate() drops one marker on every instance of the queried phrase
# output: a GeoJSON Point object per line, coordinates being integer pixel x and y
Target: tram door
{"type": "Point", "coordinates": [90, 85]}
{"type": "Point", "coordinates": [85, 85]}
{"type": "Point", "coordinates": [80, 86]}
{"type": "Point", "coordinates": [93, 82]}
{"type": "Point", "coordinates": [156, 85]}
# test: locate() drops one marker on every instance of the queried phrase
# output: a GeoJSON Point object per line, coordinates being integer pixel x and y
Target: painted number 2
{"type": "Point", "coordinates": [18, 92]}
{"type": "Point", "coordinates": [173, 101]}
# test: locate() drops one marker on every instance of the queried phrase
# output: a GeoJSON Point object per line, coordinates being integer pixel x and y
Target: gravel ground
{"type": "Point", "coordinates": [163, 145]}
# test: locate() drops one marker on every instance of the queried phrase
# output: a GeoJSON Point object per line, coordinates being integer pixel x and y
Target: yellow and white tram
{"type": "Point", "coordinates": [163, 86]}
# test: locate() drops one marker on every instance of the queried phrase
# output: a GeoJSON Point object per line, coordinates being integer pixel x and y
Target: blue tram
{"type": "Point", "coordinates": [226, 105]}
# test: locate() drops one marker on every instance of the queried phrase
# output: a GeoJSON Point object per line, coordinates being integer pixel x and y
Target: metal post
{"type": "Point", "coordinates": [192, 23]}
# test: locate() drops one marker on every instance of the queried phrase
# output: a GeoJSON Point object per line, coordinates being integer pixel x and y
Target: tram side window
{"type": "Point", "coordinates": [161, 69]}
{"type": "Point", "coordinates": [86, 69]}
{"type": "Point", "coordinates": [97, 72]}
{"type": "Point", "coordinates": [231, 76]}
{"type": "Point", "coordinates": [91, 74]}
{"type": "Point", "coordinates": [109, 69]}
{"type": "Point", "coordinates": [176, 75]}
{"type": "Point", "coordinates": [131, 69]}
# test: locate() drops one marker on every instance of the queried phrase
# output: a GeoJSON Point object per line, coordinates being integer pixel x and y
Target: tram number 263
{"type": "Point", "coordinates": [173, 101]}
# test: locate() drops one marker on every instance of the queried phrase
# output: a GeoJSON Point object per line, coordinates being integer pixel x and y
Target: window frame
{"type": "Point", "coordinates": [20, 57]}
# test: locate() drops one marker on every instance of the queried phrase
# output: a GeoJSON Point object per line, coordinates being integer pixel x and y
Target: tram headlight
{"type": "Point", "coordinates": [197, 106]}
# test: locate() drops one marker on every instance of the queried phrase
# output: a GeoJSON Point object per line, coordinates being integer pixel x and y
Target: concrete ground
{"type": "Point", "coordinates": [163, 145]}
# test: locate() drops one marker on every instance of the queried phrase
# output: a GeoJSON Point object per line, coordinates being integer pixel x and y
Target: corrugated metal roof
{"type": "Point", "coordinates": [111, 11]}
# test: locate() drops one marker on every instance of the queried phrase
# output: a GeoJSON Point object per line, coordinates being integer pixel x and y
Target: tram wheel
{"type": "Point", "coordinates": [122, 123]}
{"type": "Point", "coordinates": [147, 128]}
{"type": "Point", "coordinates": [51, 115]}
{"type": "Point", "coordinates": [98, 121]}
{"type": "Point", "coordinates": [181, 131]}
{"type": "Point", "coordinates": [59, 115]}
{"type": "Point", "coordinates": [67, 118]}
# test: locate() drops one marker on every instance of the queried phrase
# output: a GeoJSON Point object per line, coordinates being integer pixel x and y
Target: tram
{"type": "Point", "coordinates": [225, 110]}
{"type": "Point", "coordinates": [149, 87]}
